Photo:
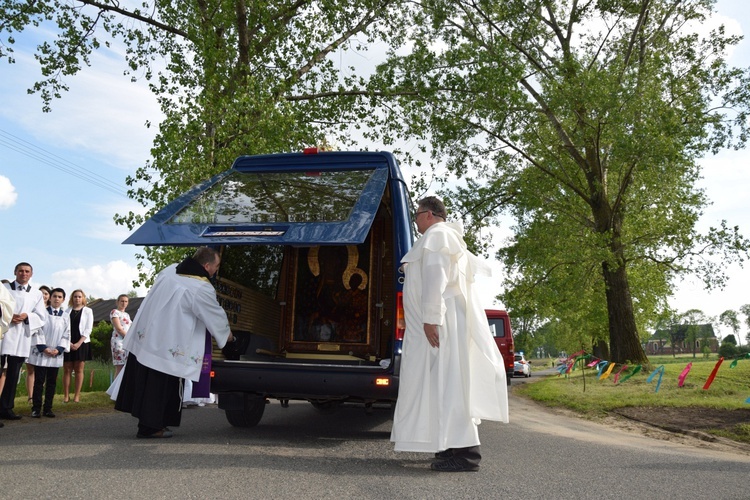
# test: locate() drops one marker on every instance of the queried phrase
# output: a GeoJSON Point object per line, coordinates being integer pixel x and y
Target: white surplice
{"type": "Point", "coordinates": [168, 333]}
{"type": "Point", "coordinates": [54, 334]}
{"type": "Point", "coordinates": [17, 340]}
{"type": "Point", "coordinates": [7, 304]}
{"type": "Point", "coordinates": [444, 392]}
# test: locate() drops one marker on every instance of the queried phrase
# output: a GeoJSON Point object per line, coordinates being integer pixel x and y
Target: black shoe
{"type": "Point", "coordinates": [2, 424]}
{"type": "Point", "coordinates": [156, 435]}
{"type": "Point", "coordinates": [35, 414]}
{"type": "Point", "coordinates": [9, 415]}
{"type": "Point", "coordinates": [445, 454]}
{"type": "Point", "coordinates": [49, 414]}
{"type": "Point", "coordinates": [454, 465]}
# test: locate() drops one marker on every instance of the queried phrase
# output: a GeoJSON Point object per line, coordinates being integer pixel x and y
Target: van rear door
{"type": "Point", "coordinates": [289, 199]}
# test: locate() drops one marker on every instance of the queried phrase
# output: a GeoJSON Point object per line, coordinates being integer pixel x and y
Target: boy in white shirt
{"type": "Point", "coordinates": [47, 347]}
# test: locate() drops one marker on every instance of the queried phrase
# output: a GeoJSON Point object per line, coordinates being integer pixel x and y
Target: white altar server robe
{"type": "Point", "coordinates": [17, 340]}
{"type": "Point", "coordinates": [55, 333]}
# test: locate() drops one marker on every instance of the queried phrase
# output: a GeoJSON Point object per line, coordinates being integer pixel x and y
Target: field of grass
{"type": "Point", "coordinates": [583, 392]}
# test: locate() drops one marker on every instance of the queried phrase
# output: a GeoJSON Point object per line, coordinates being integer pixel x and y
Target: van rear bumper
{"type": "Point", "coordinates": [304, 381]}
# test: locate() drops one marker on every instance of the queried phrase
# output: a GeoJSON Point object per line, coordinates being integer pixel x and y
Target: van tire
{"type": "Point", "coordinates": [250, 415]}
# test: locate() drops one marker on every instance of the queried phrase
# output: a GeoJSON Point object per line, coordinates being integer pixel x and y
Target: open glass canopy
{"type": "Point", "coordinates": [300, 202]}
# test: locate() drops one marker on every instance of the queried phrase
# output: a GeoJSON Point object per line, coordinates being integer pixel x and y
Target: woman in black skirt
{"type": "Point", "coordinates": [81, 324]}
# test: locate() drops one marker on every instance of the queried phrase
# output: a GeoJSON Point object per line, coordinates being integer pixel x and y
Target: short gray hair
{"type": "Point", "coordinates": [434, 205]}
{"type": "Point", "coordinates": [205, 255]}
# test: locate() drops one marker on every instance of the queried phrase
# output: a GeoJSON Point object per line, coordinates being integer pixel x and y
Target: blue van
{"type": "Point", "coordinates": [311, 245]}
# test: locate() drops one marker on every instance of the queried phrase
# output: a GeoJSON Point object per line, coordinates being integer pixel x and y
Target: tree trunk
{"type": "Point", "coordinates": [624, 342]}
{"type": "Point", "coordinates": [601, 350]}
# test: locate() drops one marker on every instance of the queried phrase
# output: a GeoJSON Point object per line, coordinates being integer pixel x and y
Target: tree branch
{"type": "Point", "coordinates": [367, 20]}
{"type": "Point", "coordinates": [132, 15]}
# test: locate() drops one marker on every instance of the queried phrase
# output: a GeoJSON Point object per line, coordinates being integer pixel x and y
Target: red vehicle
{"type": "Point", "coordinates": [500, 328]}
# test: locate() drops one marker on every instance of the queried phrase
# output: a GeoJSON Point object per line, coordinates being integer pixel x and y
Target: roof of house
{"type": "Point", "coordinates": [101, 308]}
{"type": "Point", "coordinates": [681, 332]}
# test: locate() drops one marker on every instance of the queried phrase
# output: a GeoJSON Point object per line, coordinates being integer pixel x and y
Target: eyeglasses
{"type": "Point", "coordinates": [417, 213]}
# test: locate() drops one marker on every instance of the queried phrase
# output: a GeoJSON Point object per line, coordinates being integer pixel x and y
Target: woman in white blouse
{"type": "Point", "coordinates": [81, 325]}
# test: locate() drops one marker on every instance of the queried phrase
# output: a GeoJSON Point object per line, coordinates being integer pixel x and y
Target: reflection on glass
{"type": "Point", "coordinates": [497, 327]}
{"type": "Point", "coordinates": [277, 197]}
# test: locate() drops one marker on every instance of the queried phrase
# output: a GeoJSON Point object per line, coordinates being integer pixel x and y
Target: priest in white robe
{"type": "Point", "coordinates": [7, 304]}
{"type": "Point", "coordinates": [452, 374]}
{"type": "Point", "coordinates": [167, 340]}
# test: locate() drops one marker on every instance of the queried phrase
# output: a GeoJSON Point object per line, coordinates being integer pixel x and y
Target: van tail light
{"type": "Point", "coordinates": [400, 320]}
{"type": "Point", "coordinates": [310, 151]}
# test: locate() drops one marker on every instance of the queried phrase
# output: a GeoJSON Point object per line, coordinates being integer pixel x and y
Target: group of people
{"type": "Point", "coordinates": [452, 375]}
{"type": "Point", "coordinates": [181, 309]}
{"type": "Point", "coordinates": [38, 329]}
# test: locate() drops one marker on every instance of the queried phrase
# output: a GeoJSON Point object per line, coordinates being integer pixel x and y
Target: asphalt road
{"type": "Point", "coordinates": [300, 453]}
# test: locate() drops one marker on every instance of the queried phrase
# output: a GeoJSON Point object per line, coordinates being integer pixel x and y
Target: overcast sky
{"type": "Point", "coordinates": [62, 178]}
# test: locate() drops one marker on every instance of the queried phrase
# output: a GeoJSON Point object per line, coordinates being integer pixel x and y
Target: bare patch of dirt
{"type": "Point", "coordinates": [691, 426]}
{"type": "Point", "coordinates": [690, 418]}
{"type": "Point", "coordinates": [691, 421]}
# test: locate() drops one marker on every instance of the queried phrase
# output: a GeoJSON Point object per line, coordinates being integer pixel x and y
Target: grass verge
{"type": "Point", "coordinates": [98, 376]}
{"type": "Point", "coordinates": [582, 392]}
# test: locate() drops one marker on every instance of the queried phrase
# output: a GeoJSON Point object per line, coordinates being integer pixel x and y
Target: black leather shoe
{"type": "Point", "coordinates": [49, 414]}
{"type": "Point", "coordinates": [156, 435]}
{"type": "Point", "coordinates": [445, 454]}
{"type": "Point", "coordinates": [9, 415]}
{"type": "Point", "coordinates": [35, 414]}
{"type": "Point", "coordinates": [454, 465]}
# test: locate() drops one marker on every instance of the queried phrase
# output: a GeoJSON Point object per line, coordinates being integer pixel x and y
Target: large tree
{"type": "Point", "coordinates": [745, 309]}
{"type": "Point", "coordinates": [590, 116]}
{"type": "Point", "coordinates": [730, 319]}
{"type": "Point", "coordinates": [693, 320]}
{"type": "Point", "coordinates": [232, 76]}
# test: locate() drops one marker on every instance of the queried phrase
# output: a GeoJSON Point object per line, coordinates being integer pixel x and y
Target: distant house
{"type": "Point", "coordinates": [101, 308]}
{"type": "Point", "coordinates": [661, 341]}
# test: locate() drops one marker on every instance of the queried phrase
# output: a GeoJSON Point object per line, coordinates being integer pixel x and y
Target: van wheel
{"type": "Point", "coordinates": [251, 415]}
{"type": "Point", "coordinates": [507, 379]}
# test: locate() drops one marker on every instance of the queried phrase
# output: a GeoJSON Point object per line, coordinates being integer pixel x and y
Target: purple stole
{"type": "Point", "coordinates": [202, 388]}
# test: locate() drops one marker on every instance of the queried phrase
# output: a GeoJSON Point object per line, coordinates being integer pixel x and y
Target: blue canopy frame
{"type": "Point", "coordinates": [159, 231]}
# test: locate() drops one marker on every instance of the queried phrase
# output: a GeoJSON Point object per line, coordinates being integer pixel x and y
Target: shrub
{"type": "Point", "coordinates": [728, 350]}
{"type": "Point", "coordinates": [100, 338]}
